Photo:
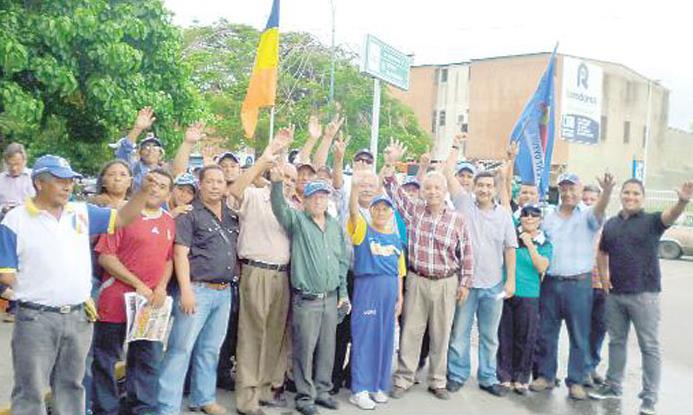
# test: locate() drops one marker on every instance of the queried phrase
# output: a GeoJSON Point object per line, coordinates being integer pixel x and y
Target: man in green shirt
{"type": "Point", "coordinates": [319, 265]}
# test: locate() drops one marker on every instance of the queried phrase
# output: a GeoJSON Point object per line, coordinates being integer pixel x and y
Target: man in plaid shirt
{"type": "Point", "coordinates": [439, 249]}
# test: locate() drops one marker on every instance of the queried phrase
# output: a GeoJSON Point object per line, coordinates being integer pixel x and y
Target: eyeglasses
{"type": "Point", "coordinates": [531, 213]}
{"type": "Point", "coordinates": [366, 160]}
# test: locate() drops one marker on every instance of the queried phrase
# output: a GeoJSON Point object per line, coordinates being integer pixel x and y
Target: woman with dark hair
{"type": "Point", "coordinates": [184, 190]}
{"type": "Point", "coordinates": [113, 185]}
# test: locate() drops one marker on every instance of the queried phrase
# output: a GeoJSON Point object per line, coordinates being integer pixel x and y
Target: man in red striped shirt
{"type": "Point", "coordinates": [439, 249]}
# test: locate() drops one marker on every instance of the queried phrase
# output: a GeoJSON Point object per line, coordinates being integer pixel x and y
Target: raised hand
{"type": "Point", "coordinates": [425, 159]}
{"type": "Point", "coordinates": [607, 182]}
{"type": "Point", "coordinates": [459, 139]}
{"type": "Point", "coordinates": [334, 126]}
{"type": "Point", "coordinates": [276, 173]}
{"type": "Point", "coordinates": [195, 133]}
{"type": "Point", "coordinates": [314, 127]}
{"type": "Point", "coordinates": [145, 118]}
{"type": "Point", "coordinates": [513, 150]}
{"type": "Point", "coordinates": [686, 191]}
{"type": "Point", "coordinates": [282, 140]}
{"type": "Point", "coordinates": [394, 151]}
{"type": "Point", "coordinates": [340, 145]}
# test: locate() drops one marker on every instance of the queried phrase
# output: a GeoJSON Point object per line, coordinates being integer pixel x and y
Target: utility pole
{"type": "Point", "coordinates": [333, 5]}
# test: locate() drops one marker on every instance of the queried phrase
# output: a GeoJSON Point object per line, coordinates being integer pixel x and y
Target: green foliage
{"type": "Point", "coordinates": [222, 56]}
{"type": "Point", "coordinates": [73, 74]}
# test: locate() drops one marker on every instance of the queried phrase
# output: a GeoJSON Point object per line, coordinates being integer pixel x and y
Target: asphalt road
{"type": "Point", "coordinates": [675, 397]}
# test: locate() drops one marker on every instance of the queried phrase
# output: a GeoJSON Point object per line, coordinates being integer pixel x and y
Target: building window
{"type": "Point", "coordinates": [644, 136]}
{"type": "Point", "coordinates": [603, 128]}
{"type": "Point", "coordinates": [441, 117]}
{"type": "Point", "coordinates": [464, 128]}
{"type": "Point", "coordinates": [443, 75]}
{"type": "Point", "coordinates": [626, 132]}
{"type": "Point", "coordinates": [434, 121]}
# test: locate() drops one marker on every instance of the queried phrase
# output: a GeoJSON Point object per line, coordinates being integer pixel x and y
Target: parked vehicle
{"type": "Point", "coordinates": [678, 240]}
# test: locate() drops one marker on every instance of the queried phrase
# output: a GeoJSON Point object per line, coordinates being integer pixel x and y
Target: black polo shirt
{"type": "Point", "coordinates": [632, 247]}
{"type": "Point", "coordinates": [212, 242]}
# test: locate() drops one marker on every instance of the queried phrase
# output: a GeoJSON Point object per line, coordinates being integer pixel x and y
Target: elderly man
{"type": "Point", "coordinates": [45, 257]}
{"type": "Point", "coordinates": [494, 241]}
{"type": "Point", "coordinates": [319, 265]}
{"type": "Point", "coordinates": [440, 274]}
{"type": "Point", "coordinates": [204, 258]}
{"type": "Point", "coordinates": [15, 180]}
{"type": "Point", "coordinates": [263, 248]}
{"type": "Point", "coordinates": [628, 248]}
{"type": "Point", "coordinates": [566, 292]}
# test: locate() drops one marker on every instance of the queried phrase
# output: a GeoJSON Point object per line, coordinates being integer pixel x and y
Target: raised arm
{"type": "Point", "coordinates": [281, 141]}
{"type": "Point", "coordinates": [670, 215]}
{"type": "Point", "coordinates": [329, 135]}
{"type": "Point", "coordinates": [607, 184]}
{"type": "Point", "coordinates": [314, 131]}
{"type": "Point", "coordinates": [282, 211]}
{"type": "Point", "coordinates": [424, 164]}
{"type": "Point", "coordinates": [133, 208]}
{"type": "Point", "coordinates": [340, 146]}
{"type": "Point", "coordinates": [454, 187]}
{"type": "Point", "coordinates": [193, 135]}
{"type": "Point", "coordinates": [506, 188]}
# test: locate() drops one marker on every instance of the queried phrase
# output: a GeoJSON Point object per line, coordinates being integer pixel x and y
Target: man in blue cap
{"type": "Point", "coordinates": [319, 265]}
{"type": "Point", "coordinates": [45, 257]}
{"type": "Point", "coordinates": [566, 293]}
{"type": "Point", "coordinates": [465, 172]}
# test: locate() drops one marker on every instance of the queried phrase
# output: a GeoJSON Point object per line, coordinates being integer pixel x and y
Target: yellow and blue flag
{"type": "Point", "coordinates": [534, 131]}
{"type": "Point", "coordinates": [262, 88]}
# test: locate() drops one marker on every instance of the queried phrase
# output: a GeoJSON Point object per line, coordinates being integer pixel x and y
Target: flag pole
{"type": "Point", "coordinates": [271, 129]}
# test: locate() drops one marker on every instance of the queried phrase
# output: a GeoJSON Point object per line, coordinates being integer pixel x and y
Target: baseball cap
{"type": "Point", "coordinates": [531, 209]}
{"type": "Point", "coordinates": [364, 152]}
{"type": "Point", "coordinates": [316, 186]}
{"type": "Point", "coordinates": [185, 179]}
{"type": "Point", "coordinates": [411, 180]}
{"type": "Point", "coordinates": [227, 154]}
{"type": "Point", "coordinates": [56, 166]}
{"type": "Point", "coordinates": [382, 198]}
{"type": "Point", "coordinates": [568, 178]}
{"type": "Point", "coordinates": [150, 139]}
{"type": "Point", "coordinates": [308, 165]}
{"type": "Point", "coordinates": [465, 165]}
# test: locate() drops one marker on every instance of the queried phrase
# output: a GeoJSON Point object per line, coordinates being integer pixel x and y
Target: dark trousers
{"type": "Point", "coordinates": [598, 327]}
{"type": "Point", "coordinates": [517, 336]}
{"type": "Point", "coordinates": [569, 300]}
{"type": "Point", "coordinates": [227, 354]}
{"type": "Point", "coordinates": [341, 373]}
{"type": "Point", "coordinates": [142, 363]}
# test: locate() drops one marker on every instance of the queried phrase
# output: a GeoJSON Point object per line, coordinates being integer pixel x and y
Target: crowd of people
{"type": "Point", "coordinates": [276, 268]}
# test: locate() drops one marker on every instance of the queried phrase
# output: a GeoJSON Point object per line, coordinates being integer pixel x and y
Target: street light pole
{"type": "Point", "coordinates": [334, 8]}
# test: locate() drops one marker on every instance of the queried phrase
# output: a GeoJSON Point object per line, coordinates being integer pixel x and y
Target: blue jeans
{"type": "Point", "coordinates": [569, 300]}
{"type": "Point", "coordinates": [484, 303]}
{"type": "Point", "coordinates": [598, 328]}
{"type": "Point", "coordinates": [198, 337]}
{"type": "Point", "coordinates": [143, 361]}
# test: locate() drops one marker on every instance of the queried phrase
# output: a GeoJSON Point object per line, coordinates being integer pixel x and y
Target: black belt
{"type": "Point", "coordinates": [578, 277]}
{"type": "Point", "coordinates": [313, 296]}
{"type": "Point", "coordinates": [65, 309]}
{"type": "Point", "coordinates": [264, 265]}
{"type": "Point", "coordinates": [433, 277]}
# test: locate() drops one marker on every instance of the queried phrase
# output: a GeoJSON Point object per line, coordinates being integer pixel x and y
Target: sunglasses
{"type": "Point", "coordinates": [531, 214]}
{"type": "Point", "coordinates": [366, 160]}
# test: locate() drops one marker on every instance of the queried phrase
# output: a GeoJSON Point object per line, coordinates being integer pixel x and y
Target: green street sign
{"type": "Point", "coordinates": [386, 63]}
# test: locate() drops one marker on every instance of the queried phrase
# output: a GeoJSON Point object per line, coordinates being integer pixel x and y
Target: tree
{"type": "Point", "coordinates": [73, 74]}
{"type": "Point", "coordinates": [222, 56]}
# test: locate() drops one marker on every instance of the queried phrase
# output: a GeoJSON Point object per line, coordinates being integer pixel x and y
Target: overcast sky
{"type": "Point", "coordinates": [654, 38]}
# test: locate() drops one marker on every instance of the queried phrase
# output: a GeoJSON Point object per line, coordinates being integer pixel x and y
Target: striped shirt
{"type": "Point", "coordinates": [437, 245]}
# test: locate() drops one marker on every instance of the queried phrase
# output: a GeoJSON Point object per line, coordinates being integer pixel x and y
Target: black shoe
{"type": "Point", "coordinates": [334, 390]}
{"type": "Point", "coordinates": [308, 410]}
{"type": "Point", "coordinates": [329, 403]}
{"type": "Point", "coordinates": [226, 383]}
{"type": "Point", "coordinates": [495, 390]}
{"type": "Point", "coordinates": [453, 386]}
{"type": "Point", "coordinates": [604, 392]}
{"type": "Point", "coordinates": [647, 407]}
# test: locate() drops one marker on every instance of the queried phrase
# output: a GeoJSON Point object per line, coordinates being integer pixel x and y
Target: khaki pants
{"type": "Point", "coordinates": [432, 303]}
{"type": "Point", "coordinates": [261, 353]}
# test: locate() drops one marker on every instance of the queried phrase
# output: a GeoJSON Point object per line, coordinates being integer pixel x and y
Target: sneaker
{"type": "Point", "coordinates": [605, 392]}
{"type": "Point", "coordinates": [597, 379]}
{"type": "Point", "coordinates": [520, 388]}
{"type": "Point", "coordinates": [577, 392]}
{"type": "Point", "coordinates": [453, 386]}
{"type": "Point", "coordinates": [362, 400]}
{"type": "Point", "coordinates": [589, 382]}
{"type": "Point", "coordinates": [328, 402]}
{"type": "Point", "coordinates": [496, 389]}
{"type": "Point", "coordinates": [397, 392]}
{"type": "Point", "coordinates": [379, 397]}
{"type": "Point", "coordinates": [541, 385]}
{"type": "Point", "coordinates": [647, 407]}
{"type": "Point", "coordinates": [440, 393]}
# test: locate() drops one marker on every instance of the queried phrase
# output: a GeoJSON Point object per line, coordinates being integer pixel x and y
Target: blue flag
{"type": "Point", "coordinates": [534, 132]}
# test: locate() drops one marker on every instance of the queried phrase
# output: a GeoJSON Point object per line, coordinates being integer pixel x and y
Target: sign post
{"type": "Point", "coordinates": [383, 63]}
